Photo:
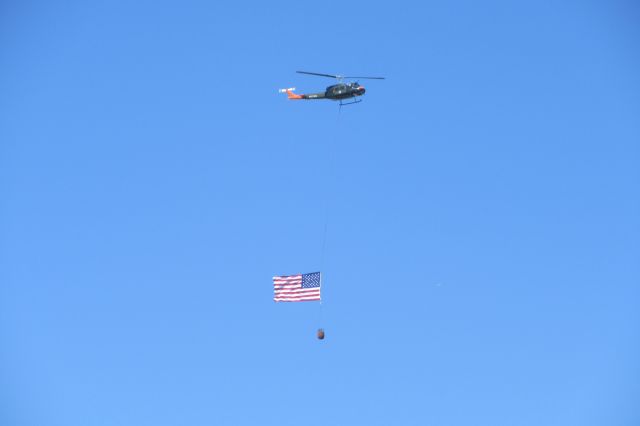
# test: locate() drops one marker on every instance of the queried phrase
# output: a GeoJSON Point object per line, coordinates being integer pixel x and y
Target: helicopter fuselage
{"type": "Point", "coordinates": [338, 92]}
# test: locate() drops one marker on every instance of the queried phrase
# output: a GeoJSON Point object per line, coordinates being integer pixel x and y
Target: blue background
{"type": "Point", "coordinates": [482, 210]}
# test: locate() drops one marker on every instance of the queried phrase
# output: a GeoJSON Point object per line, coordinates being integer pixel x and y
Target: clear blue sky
{"type": "Point", "coordinates": [481, 265]}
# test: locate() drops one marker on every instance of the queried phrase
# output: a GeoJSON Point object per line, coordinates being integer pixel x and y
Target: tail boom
{"type": "Point", "coordinates": [294, 96]}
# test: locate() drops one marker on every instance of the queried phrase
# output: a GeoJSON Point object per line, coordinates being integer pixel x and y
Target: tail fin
{"type": "Point", "coordinates": [290, 93]}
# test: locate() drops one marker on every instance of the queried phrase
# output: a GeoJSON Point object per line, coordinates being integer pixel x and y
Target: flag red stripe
{"type": "Point", "coordinates": [295, 299]}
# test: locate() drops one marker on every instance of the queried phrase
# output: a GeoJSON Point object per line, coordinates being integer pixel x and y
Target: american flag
{"type": "Point", "coordinates": [297, 288]}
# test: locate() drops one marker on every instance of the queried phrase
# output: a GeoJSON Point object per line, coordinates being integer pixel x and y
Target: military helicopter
{"type": "Point", "coordinates": [337, 92]}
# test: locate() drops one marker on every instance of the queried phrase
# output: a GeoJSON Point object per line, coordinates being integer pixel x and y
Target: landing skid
{"type": "Point", "coordinates": [355, 101]}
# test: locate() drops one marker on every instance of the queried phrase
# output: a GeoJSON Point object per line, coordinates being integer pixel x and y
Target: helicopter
{"type": "Point", "coordinates": [336, 92]}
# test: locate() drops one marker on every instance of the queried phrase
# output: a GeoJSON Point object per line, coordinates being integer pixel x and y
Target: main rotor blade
{"type": "Point", "coordinates": [368, 78]}
{"type": "Point", "coordinates": [321, 75]}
